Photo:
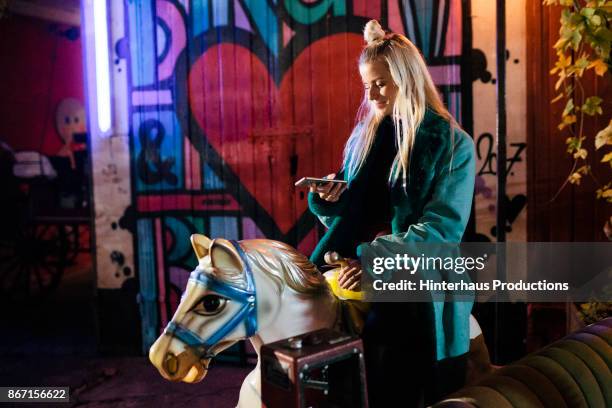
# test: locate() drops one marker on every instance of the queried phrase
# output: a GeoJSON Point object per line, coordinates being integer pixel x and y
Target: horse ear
{"type": "Point", "coordinates": [200, 244]}
{"type": "Point", "coordinates": [224, 257]}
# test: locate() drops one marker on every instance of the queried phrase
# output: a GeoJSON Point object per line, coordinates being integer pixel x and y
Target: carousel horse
{"type": "Point", "coordinates": [259, 289]}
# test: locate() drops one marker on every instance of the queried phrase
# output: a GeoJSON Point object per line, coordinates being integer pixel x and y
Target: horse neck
{"type": "Point", "coordinates": [299, 314]}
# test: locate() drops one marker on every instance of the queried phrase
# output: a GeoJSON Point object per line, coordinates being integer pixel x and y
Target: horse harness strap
{"type": "Point", "coordinates": [247, 313]}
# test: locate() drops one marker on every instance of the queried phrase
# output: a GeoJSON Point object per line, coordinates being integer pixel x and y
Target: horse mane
{"type": "Point", "coordinates": [281, 262]}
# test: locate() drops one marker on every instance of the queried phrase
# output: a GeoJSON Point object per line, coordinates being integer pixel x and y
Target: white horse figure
{"type": "Point", "coordinates": [259, 289]}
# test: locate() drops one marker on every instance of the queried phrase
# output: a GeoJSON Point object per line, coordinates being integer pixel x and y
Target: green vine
{"type": "Point", "coordinates": [584, 44]}
{"type": "Point", "coordinates": [594, 311]}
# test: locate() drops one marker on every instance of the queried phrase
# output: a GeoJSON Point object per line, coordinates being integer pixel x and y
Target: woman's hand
{"type": "Point", "coordinates": [349, 277]}
{"type": "Point", "coordinates": [329, 191]}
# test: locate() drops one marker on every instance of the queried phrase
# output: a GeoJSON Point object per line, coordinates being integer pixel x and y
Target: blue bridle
{"type": "Point", "coordinates": [247, 313]}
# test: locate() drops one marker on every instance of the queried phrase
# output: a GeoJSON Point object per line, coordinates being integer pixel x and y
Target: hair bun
{"type": "Point", "coordinates": [373, 32]}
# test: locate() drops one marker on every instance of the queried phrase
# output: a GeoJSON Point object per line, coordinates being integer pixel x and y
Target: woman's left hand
{"type": "Point", "coordinates": [349, 277]}
{"type": "Point", "coordinates": [328, 191]}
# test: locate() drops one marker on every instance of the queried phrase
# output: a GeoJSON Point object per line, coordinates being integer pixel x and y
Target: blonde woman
{"type": "Point", "coordinates": [410, 172]}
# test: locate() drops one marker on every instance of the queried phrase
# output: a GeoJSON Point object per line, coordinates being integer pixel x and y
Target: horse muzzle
{"type": "Point", "coordinates": [185, 366]}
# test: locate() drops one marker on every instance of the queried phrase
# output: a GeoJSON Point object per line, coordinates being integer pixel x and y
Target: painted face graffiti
{"type": "Point", "coordinates": [70, 120]}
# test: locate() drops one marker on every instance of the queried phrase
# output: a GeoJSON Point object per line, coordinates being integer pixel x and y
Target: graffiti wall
{"type": "Point", "coordinates": [220, 106]}
{"type": "Point", "coordinates": [484, 108]}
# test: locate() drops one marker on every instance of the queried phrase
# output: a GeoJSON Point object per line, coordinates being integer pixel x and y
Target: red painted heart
{"type": "Point", "coordinates": [257, 128]}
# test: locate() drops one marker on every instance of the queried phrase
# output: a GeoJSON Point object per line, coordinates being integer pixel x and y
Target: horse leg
{"type": "Point", "coordinates": [250, 391]}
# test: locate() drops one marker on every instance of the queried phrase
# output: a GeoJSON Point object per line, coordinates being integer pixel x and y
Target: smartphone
{"type": "Point", "coordinates": [306, 181]}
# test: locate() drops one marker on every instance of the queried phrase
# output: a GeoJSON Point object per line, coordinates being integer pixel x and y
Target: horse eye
{"type": "Point", "coordinates": [209, 305]}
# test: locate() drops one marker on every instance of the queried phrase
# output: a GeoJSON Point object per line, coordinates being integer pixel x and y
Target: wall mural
{"type": "Point", "coordinates": [484, 108]}
{"type": "Point", "coordinates": [232, 101]}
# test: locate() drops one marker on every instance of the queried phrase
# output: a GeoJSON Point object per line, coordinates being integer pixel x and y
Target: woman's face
{"type": "Point", "coordinates": [379, 86]}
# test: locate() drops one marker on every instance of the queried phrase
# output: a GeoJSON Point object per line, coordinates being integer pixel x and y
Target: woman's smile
{"type": "Point", "coordinates": [381, 104]}
{"type": "Point", "coordinates": [379, 86]}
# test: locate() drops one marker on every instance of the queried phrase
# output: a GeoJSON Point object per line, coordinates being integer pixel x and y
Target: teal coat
{"type": "Point", "coordinates": [434, 207]}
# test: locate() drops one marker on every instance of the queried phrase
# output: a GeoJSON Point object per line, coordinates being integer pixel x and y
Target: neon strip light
{"type": "Point", "coordinates": [102, 66]}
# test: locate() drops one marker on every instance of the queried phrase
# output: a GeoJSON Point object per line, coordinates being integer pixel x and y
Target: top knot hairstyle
{"type": "Point", "coordinates": [373, 32]}
{"type": "Point", "coordinates": [416, 93]}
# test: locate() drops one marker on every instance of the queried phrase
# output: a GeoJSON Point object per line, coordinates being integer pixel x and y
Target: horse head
{"type": "Point", "coordinates": [217, 309]}
{"type": "Point", "coordinates": [236, 290]}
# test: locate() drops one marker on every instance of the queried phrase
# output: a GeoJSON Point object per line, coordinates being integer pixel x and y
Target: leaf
{"type": "Point", "coordinates": [581, 153]}
{"type": "Point", "coordinates": [588, 12]}
{"type": "Point", "coordinates": [604, 33]}
{"type": "Point", "coordinates": [592, 106]}
{"type": "Point", "coordinates": [604, 136]}
{"type": "Point", "coordinates": [600, 41]}
{"type": "Point", "coordinates": [567, 120]}
{"type": "Point", "coordinates": [595, 20]}
{"type": "Point", "coordinates": [569, 107]}
{"type": "Point", "coordinates": [560, 80]}
{"type": "Point", "coordinates": [576, 21]}
{"type": "Point", "coordinates": [561, 43]}
{"type": "Point", "coordinates": [574, 178]}
{"type": "Point", "coordinates": [607, 189]}
{"type": "Point", "coordinates": [581, 64]}
{"type": "Point", "coordinates": [565, 16]}
{"type": "Point", "coordinates": [573, 144]}
{"type": "Point", "coordinates": [607, 158]}
{"type": "Point", "coordinates": [563, 60]}
{"type": "Point", "coordinates": [557, 98]}
{"type": "Point", "coordinates": [576, 39]}
{"type": "Point", "coordinates": [569, 34]}
{"type": "Point", "coordinates": [605, 192]}
{"type": "Point", "coordinates": [600, 66]}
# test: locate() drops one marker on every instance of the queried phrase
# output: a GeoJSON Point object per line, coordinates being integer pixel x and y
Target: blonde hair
{"type": "Point", "coordinates": [416, 92]}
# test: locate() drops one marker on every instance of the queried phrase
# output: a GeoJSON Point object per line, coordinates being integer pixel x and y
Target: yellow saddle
{"type": "Point", "coordinates": [354, 310]}
{"type": "Point", "coordinates": [344, 294]}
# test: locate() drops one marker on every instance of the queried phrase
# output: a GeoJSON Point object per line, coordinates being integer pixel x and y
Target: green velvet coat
{"type": "Point", "coordinates": [434, 207]}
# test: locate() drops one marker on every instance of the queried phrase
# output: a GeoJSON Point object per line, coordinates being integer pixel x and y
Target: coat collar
{"type": "Point", "coordinates": [433, 125]}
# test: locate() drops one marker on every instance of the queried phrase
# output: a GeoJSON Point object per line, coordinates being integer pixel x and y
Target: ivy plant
{"type": "Point", "coordinates": [585, 40]}
{"type": "Point", "coordinates": [584, 44]}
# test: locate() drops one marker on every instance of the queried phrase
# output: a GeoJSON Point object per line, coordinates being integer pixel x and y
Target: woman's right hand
{"type": "Point", "coordinates": [329, 191]}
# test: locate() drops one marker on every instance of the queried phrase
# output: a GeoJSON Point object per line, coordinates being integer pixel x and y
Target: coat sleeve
{"type": "Point", "coordinates": [327, 211]}
{"type": "Point", "coordinates": [446, 215]}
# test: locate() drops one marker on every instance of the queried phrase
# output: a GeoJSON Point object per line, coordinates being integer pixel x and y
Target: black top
{"type": "Point", "coordinates": [377, 204]}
